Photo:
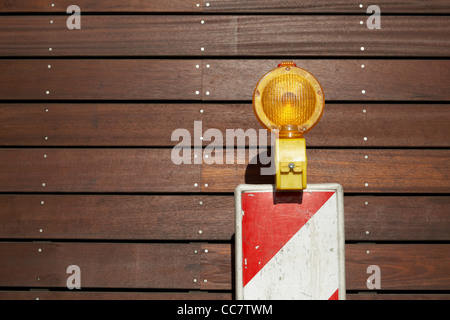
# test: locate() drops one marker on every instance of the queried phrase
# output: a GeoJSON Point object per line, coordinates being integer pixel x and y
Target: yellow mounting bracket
{"type": "Point", "coordinates": [290, 164]}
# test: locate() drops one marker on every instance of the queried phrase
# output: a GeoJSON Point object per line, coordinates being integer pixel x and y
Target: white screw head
{"type": "Point", "coordinates": [362, 48]}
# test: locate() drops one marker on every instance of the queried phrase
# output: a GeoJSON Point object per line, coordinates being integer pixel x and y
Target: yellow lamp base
{"type": "Point", "coordinates": [290, 159]}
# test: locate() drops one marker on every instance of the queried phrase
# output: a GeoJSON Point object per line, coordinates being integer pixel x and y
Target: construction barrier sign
{"type": "Point", "coordinates": [290, 245]}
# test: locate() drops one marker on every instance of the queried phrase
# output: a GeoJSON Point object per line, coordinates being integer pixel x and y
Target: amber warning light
{"type": "Point", "coordinates": [289, 101]}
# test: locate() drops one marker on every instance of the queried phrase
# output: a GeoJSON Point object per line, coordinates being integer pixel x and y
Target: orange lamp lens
{"type": "Point", "coordinates": [288, 99]}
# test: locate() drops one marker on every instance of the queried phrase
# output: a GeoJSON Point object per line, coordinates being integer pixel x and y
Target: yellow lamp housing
{"type": "Point", "coordinates": [289, 101]}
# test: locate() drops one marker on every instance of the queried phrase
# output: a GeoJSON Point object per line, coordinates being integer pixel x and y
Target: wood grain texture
{"type": "Point", "coordinates": [153, 170]}
{"type": "Point", "coordinates": [357, 170]}
{"type": "Point", "coordinates": [79, 79]}
{"type": "Point", "coordinates": [223, 6]}
{"type": "Point", "coordinates": [186, 35]}
{"type": "Point", "coordinates": [166, 217]}
{"type": "Point", "coordinates": [397, 218]}
{"type": "Point", "coordinates": [142, 79]}
{"type": "Point", "coordinates": [112, 295]}
{"type": "Point", "coordinates": [90, 124]}
{"type": "Point", "coordinates": [402, 266]}
{"type": "Point", "coordinates": [101, 6]}
{"type": "Point", "coordinates": [327, 6]}
{"type": "Point", "coordinates": [385, 125]}
{"type": "Point", "coordinates": [116, 295]}
{"type": "Point", "coordinates": [135, 265]}
{"type": "Point", "coordinates": [108, 265]}
{"type": "Point", "coordinates": [94, 170]}
{"type": "Point", "coordinates": [391, 80]}
{"type": "Point", "coordinates": [204, 218]}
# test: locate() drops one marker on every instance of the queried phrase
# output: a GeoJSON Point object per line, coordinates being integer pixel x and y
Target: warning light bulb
{"type": "Point", "coordinates": [289, 101]}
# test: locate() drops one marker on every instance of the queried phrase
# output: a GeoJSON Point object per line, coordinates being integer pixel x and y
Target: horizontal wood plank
{"type": "Point", "coordinates": [191, 35]}
{"type": "Point", "coordinates": [142, 79]}
{"type": "Point", "coordinates": [78, 79]}
{"type": "Point", "coordinates": [99, 217]}
{"type": "Point", "coordinates": [385, 125]}
{"type": "Point", "coordinates": [397, 218]}
{"type": "Point", "coordinates": [133, 265]}
{"type": "Point", "coordinates": [112, 295]}
{"type": "Point", "coordinates": [154, 170]}
{"type": "Point", "coordinates": [113, 265]}
{"type": "Point", "coordinates": [117, 295]}
{"type": "Point", "coordinates": [102, 6]}
{"type": "Point", "coordinates": [357, 170]}
{"type": "Point", "coordinates": [95, 170]}
{"type": "Point", "coordinates": [327, 6]}
{"type": "Point", "coordinates": [204, 218]}
{"type": "Point", "coordinates": [402, 266]}
{"type": "Point", "coordinates": [391, 80]}
{"type": "Point", "coordinates": [221, 6]}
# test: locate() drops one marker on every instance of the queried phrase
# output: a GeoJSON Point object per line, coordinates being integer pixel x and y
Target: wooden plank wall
{"type": "Point", "coordinates": [86, 123]}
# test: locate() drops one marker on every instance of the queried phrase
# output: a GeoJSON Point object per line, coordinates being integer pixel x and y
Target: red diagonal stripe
{"type": "Point", "coordinates": [335, 295]}
{"type": "Point", "coordinates": [270, 220]}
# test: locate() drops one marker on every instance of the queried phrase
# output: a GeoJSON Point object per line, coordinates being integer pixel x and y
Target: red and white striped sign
{"type": "Point", "coordinates": [290, 245]}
